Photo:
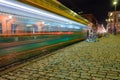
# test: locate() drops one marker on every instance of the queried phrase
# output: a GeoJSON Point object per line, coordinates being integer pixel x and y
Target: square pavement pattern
{"type": "Point", "coordinates": [81, 61]}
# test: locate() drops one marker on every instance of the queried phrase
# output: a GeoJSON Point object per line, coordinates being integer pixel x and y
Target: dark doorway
{"type": "Point", "coordinates": [0, 28]}
{"type": "Point", "coordinates": [13, 28]}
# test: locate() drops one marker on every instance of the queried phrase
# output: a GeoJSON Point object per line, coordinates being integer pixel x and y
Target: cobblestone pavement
{"type": "Point", "coordinates": [81, 61]}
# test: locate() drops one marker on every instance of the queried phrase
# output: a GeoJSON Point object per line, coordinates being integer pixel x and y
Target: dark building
{"type": "Point", "coordinates": [90, 17]}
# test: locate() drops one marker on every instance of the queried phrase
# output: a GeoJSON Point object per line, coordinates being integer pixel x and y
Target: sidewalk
{"type": "Point", "coordinates": [81, 61]}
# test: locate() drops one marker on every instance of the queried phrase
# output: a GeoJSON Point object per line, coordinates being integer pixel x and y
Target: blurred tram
{"type": "Point", "coordinates": [27, 31]}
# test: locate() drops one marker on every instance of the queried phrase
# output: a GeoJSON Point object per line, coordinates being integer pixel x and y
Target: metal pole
{"type": "Point", "coordinates": [115, 21]}
{"type": "Point", "coordinates": [115, 8]}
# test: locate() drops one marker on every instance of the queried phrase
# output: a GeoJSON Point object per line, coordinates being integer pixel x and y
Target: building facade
{"type": "Point", "coordinates": [114, 20]}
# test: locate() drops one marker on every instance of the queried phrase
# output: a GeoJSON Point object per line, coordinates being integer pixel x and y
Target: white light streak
{"type": "Point", "coordinates": [22, 7]}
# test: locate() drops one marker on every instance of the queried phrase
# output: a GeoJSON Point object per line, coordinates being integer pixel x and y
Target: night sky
{"type": "Point", "coordinates": [99, 8]}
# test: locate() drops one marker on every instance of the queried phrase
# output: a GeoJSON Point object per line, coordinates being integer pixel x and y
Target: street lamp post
{"type": "Point", "coordinates": [115, 4]}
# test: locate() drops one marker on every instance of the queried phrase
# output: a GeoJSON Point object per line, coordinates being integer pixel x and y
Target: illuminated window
{"type": "Point", "coordinates": [119, 20]}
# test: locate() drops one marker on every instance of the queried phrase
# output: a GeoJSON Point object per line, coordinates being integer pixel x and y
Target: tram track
{"type": "Point", "coordinates": [14, 58]}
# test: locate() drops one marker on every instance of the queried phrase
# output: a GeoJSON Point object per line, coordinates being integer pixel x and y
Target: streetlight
{"type": "Point", "coordinates": [115, 3]}
{"type": "Point", "coordinates": [7, 20]}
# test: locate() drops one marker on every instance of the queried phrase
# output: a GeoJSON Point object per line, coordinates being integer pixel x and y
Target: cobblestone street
{"type": "Point", "coordinates": [80, 61]}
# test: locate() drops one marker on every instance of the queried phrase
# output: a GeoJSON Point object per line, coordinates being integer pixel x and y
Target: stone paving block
{"type": "Point", "coordinates": [92, 71]}
{"type": "Point", "coordinates": [98, 66]}
{"type": "Point", "coordinates": [3, 78]}
{"type": "Point", "coordinates": [69, 78]}
{"type": "Point", "coordinates": [50, 75]}
{"type": "Point", "coordinates": [11, 74]}
{"type": "Point", "coordinates": [96, 78]}
{"type": "Point", "coordinates": [106, 79]}
{"type": "Point", "coordinates": [12, 77]}
{"type": "Point", "coordinates": [47, 72]}
{"type": "Point", "coordinates": [42, 73]}
{"type": "Point", "coordinates": [24, 76]}
{"type": "Point", "coordinates": [75, 75]}
{"type": "Point", "coordinates": [109, 66]}
{"type": "Point", "coordinates": [27, 79]}
{"type": "Point", "coordinates": [34, 72]}
{"type": "Point", "coordinates": [115, 70]}
{"type": "Point", "coordinates": [19, 78]}
{"type": "Point", "coordinates": [98, 75]}
{"type": "Point", "coordinates": [42, 79]}
{"type": "Point", "coordinates": [28, 73]}
{"type": "Point", "coordinates": [112, 74]}
{"type": "Point", "coordinates": [85, 69]}
{"type": "Point", "coordinates": [104, 69]}
{"type": "Point", "coordinates": [85, 74]}
{"type": "Point", "coordinates": [102, 73]}
{"type": "Point", "coordinates": [52, 78]}
{"type": "Point", "coordinates": [94, 68]}
{"type": "Point", "coordinates": [82, 71]}
{"type": "Point", "coordinates": [65, 74]}
{"type": "Point", "coordinates": [85, 77]}
{"type": "Point", "coordinates": [35, 75]}
{"type": "Point", "coordinates": [60, 76]}
{"type": "Point", "coordinates": [116, 66]}
{"type": "Point", "coordinates": [57, 73]}
{"type": "Point", "coordinates": [113, 77]}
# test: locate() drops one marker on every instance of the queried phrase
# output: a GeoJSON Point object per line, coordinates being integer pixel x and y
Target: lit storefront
{"type": "Point", "coordinates": [114, 18]}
